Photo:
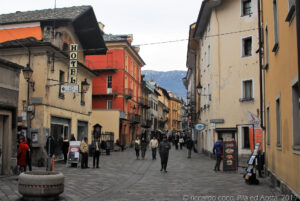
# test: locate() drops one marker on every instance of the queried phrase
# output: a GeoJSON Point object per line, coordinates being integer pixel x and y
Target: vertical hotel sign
{"type": "Point", "coordinates": [73, 64]}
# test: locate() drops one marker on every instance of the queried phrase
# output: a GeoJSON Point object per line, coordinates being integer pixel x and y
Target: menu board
{"type": "Point", "coordinates": [230, 156]}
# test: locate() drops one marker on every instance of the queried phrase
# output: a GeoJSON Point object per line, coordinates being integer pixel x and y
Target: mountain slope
{"type": "Point", "coordinates": [170, 80]}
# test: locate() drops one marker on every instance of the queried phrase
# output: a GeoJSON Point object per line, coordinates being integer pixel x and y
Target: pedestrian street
{"type": "Point", "coordinates": [122, 177]}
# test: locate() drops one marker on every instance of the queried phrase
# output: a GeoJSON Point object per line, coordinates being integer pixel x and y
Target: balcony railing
{"type": "Point", "coordinates": [134, 118]}
{"type": "Point", "coordinates": [166, 109]}
{"type": "Point", "coordinates": [141, 101]}
{"type": "Point", "coordinates": [128, 93]}
{"type": "Point", "coordinates": [147, 123]}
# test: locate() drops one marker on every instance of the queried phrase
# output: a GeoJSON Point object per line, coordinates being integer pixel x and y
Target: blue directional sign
{"type": "Point", "coordinates": [200, 127]}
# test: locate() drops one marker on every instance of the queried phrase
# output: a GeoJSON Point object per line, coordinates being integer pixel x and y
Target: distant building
{"type": "Point", "coordinates": [117, 88]}
{"type": "Point", "coordinates": [175, 112]}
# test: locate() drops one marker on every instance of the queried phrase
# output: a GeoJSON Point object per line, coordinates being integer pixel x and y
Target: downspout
{"type": "Point", "coordinates": [298, 41]}
{"type": "Point", "coordinates": [260, 67]}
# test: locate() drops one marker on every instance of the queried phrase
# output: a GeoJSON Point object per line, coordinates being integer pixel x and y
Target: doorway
{"type": "Point", "coordinates": [1, 141]}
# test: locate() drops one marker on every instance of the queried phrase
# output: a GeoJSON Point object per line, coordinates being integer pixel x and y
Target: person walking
{"type": "Point", "coordinates": [154, 145]}
{"type": "Point", "coordinates": [96, 151]}
{"type": "Point", "coordinates": [189, 146]}
{"type": "Point", "coordinates": [176, 141]}
{"type": "Point", "coordinates": [84, 152]}
{"type": "Point", "coordinates": [65, 149]}
{"type": "Point", "coordinates": [164, 148]}
{"type": "Point", "coordinates": [218, 151]}
{"type": "Point", "coordinates": [22, 154]}
{"type": "Point", "coordinates": [137, 144]}
{"type": "Point", "coordinates": [143, 148]}
{"type": "Point", "coordinates": [181, 141]}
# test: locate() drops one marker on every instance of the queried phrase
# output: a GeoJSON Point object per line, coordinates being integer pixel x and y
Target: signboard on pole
{"type": "Point", "coordinates": [230, 156]}
{"type": "Point", "coordinates": [67, 88]}
{"type": "Point", "coordinates": [73, 64]}
{"type": "Point", "coordinates": [256, 134]}
{"type": "Point", "coordinates": [200, 127]}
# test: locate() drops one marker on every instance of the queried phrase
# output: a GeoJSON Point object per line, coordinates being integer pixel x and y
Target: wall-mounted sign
{"type": "Point", "coordinates": [200, 127]}
{"type": "Point", "coordinates": [73, 64]}
{"type": "Point", "coordinates": [217, 121]}
{"type": "Point", "coordinates": [69, 88]}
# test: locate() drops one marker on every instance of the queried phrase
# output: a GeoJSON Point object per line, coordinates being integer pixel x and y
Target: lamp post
{"type": "Point", "coordinates": [84, 86]}
{"type": "Point", "coordinates": [27, 73]}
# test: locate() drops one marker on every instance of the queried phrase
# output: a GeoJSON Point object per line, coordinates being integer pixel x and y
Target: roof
{"type": "Point", "coordinates": [10, 64]}
{"type": "Point", "coordinates": [70, 13]}
{"type": "Point", "coordinates": [33, 42]}
{"type": "Point", "coordinates": [204, 15]}
{"type": "Point", "coordinates": [165, 92]}
{"type": "Point", "coordinates": [82, 18]}
{"type": "Point", "coordinates": [114, 38]}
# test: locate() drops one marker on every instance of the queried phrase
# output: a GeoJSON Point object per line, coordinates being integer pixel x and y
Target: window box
{"type": "Point", "coordinates": [246, 99]}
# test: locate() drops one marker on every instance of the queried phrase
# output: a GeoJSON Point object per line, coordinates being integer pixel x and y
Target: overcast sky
{"type": "Point", "coordinates": [149, 21]}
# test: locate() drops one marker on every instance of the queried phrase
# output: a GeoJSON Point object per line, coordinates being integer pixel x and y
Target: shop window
{"type": "Point", "coordinates": [278, 122]}
{"type": "Point", "coordinates": [296, 117]}
{"type": "Point", "coordinates": [246, 142]}
{"type": "Point", "coordinates": [247, 47]}
{"type": "Point", "coordinates": [246, 7]}
{"type": "Point", "coordinates": [61, 82]}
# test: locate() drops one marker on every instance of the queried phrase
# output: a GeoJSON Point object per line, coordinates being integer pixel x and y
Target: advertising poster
{"type": "Point", "coordinates": [230, 156]}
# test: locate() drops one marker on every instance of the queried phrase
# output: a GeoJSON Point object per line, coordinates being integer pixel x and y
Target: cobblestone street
{"type": "Point", "coordinates": [121, 177]}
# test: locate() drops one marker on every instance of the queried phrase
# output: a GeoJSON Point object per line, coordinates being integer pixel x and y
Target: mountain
{"type": "Point", "coordinates": [170, 80]}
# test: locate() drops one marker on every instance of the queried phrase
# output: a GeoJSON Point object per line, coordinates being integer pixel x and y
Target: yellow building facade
{"type": "Point", "coordinates": [174, 103]}
{"type": "Point", "coordinates": [282, 114]}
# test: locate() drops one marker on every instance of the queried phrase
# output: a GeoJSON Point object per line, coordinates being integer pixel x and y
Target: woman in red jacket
{"type": "Point", "coordinates": [22, 152]}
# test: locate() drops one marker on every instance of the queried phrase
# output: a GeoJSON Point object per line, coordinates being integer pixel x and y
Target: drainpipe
{"type": "Point", "coordinates": [298, 41]}
{"type": "Point", "coordinates": [260, 66]}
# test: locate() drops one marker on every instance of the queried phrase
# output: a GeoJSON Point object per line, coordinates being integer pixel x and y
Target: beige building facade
{"type": "Point", "coordinates": [228, 71]}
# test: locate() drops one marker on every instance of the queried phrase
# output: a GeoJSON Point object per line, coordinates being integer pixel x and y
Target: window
{"type": "Point", "coordinates": [82, 96]}
{"type": "Point", "coordinates": [61, 82]}
{"type": "Point", "coordinates": [247, 47]}
{"type": "Point", "coordinates": [131, 68]}
{"type": "Point", "coordinates": [246, 7]}
{"type": "Point", "coordinates": [109, 81]}
{"type": "Point", "coordinates": [208, 93]}
{"type": "Point", "coordinates": [276, 28]}
{"type": "Point", "coordinates": [268, 127]}
{"type": "Point", "coordinates": [208, 56]}
{"type": "Point", "coordinates": [109, 104]}
{"type": "Point", "coordinates": [296, 117]}
{"type": "Point", "coordinates": [126, 63]}
{"type": "Point", "coordinates": [246, 142]}
{"type": "Point", "coordinates": [292, 9]}
{"type": "Point", "coordinates": [267, 47]}
{"type": "Point", "coordinates": [247, 90]}
{"type": "Point", "coordinates": [278, 122]}
{"type": "Point", "coordinates": [291, 3]}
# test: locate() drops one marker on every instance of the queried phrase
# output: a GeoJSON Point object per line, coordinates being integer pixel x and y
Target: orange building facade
{"type": "Point", "coordinates": [118, 86]}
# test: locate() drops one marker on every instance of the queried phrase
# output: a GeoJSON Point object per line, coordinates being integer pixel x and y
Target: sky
{"type": "Point", "coordinates": [149, 21]}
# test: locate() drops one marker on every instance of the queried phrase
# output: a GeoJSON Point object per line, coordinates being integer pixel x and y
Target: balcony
{"type": "Point", "coordinates": [108, 92]}
{"type": "Point", "coordinates": [146, 123]}
{"type": "Point", "coordinates": [147, 104]}
{"type": "Point", "coordinates": [128, 93]}
{"type": "Point", "coordinates": [141, 101]}
{"type": "Point", "coordinates": [134, 118]}
{"type": "Point", "coordinates": [166, 109]}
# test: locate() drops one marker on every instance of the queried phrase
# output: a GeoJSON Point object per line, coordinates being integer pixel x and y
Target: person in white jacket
{"type": "Point", "coordinates": [153, 146]}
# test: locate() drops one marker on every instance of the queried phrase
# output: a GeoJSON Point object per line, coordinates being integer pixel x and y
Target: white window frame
{"type": "Point", "coordinates": [242, 88]}
{"type": "Point", "coordinates": [242, 8]}
{"type": "Point", "coordinates": [242, 46]}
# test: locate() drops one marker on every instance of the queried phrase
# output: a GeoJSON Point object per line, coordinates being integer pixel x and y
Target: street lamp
{"type": "Point", "coordinates": [85, 86]}
{"type": "Point", "coordinates": [199, 87]}
{"type": "Point", "coordinates": [27, 73]}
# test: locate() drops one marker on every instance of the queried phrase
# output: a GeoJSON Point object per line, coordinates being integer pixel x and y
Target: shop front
{"type": "Point", "coordinates": [60, 131]}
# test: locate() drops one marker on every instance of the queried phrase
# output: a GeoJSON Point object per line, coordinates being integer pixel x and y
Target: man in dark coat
{"type": "Point", "coordinates": [96, 151]}
{"type": "Point", "coordinates": [164, 148]}
{"type": "Point", "coordinates": [189, 146]}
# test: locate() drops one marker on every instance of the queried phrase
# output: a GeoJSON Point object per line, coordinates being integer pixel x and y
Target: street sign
{"type": "Point", "coordinates": [67, 88]}
{"type": "Point", "coordinates": [200, 127]}
{"type": "Point", "coordinates": [212, 126]}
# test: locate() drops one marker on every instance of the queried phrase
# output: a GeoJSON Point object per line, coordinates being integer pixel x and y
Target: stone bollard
{"type": "Point", "coordinates": [41, 185]}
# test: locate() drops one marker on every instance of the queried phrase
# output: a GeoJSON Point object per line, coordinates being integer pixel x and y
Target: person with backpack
{"type": "Point", "coordinates": [218, 151]}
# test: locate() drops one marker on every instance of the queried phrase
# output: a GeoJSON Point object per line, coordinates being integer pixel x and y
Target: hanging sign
{"type": "Point", "coordinates": [200, 127]}
{"type": "Point", "coordinates": [73, 64]}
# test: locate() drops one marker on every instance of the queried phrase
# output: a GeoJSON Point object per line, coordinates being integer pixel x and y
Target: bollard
{"type": "Point", "coordinates": [53, 163]}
